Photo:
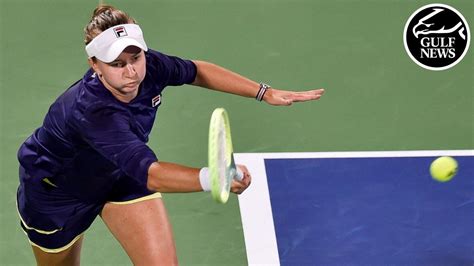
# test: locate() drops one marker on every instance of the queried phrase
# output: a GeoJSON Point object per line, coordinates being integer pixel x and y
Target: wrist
{"type": "Point", "coordinates": [262, 91]}
{"type": "Point", "coordinates": [268, 95]}
{"type": "Point", "coordinates": [204, 179]}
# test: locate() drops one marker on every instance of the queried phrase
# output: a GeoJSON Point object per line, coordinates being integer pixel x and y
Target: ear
{"type": "Point", "coordinates": [93, 65]}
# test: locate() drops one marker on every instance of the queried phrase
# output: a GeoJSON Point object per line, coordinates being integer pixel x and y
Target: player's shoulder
{"type": "Point", "coordinates": [155, 57]}
{"type": "Point", "coordinates": [169, 69]}
{"type": "Point", "coordinates": [152, 53]}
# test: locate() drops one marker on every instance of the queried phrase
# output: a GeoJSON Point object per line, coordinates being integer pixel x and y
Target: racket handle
{"type": "Point", "coordinates": [239, 175]}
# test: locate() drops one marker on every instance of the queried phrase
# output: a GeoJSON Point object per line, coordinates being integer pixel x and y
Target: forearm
{"type": "Point", "coordinates": [214, 77]}
{"type": "Point", "coordinates": [170, 177]}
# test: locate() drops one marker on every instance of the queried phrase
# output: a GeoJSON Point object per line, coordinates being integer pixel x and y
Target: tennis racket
{"type": "Point", "coordinates": [221, 165]}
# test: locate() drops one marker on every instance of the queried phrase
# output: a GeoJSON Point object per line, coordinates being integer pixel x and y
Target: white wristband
{"type": "Point", "coordinates": [204, 179]}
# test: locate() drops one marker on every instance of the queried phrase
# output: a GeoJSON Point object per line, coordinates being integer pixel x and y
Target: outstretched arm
{"type": "Point", "coordinates": [171, 177]}
{"type": "Point", "coordinates": [214, 77]}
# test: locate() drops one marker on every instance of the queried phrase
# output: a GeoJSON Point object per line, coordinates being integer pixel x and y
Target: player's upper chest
{"type": "Point", "coordinates": [143, 108]}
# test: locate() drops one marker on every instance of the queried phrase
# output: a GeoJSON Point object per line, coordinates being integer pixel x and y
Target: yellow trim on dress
{"type": "Point", "coordinates": [57, 250]}
{"type": "Point", "coordinates": [32, 228]}
{"type": "Point", "coordinates": [152, 196]}
{"type": "Point", "coordinates": [48, 250]}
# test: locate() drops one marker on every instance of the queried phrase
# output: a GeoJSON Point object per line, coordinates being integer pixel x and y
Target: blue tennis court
{"type": "Point", "coordinates": [360, 209]}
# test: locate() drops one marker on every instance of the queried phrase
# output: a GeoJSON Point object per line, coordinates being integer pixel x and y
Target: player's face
{"type": "Point", "coordinates": [124, 75]}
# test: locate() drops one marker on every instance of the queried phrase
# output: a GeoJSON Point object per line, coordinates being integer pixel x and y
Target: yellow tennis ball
{"type": "Point", "coordinates": [443, 168]}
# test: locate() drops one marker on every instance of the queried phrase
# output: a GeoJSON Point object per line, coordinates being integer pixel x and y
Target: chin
{"type": "Point", "coordinates": [130, 89]}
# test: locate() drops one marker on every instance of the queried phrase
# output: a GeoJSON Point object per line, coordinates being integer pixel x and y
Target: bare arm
{"type": "Point", "coordinates": [171, 177]}
{"type": "Point", "coordinates": [214, 77]}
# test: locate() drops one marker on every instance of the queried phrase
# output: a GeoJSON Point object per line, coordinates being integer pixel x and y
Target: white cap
{"type": "Point", "coordinates": [108, 45]}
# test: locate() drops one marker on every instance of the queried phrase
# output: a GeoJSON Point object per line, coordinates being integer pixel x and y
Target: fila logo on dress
{"type": "Point", "coordinates": [156, 101]}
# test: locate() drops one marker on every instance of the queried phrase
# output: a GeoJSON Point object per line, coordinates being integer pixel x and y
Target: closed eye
{"type": "Point", "coordinates": [120, 64]}
{"type": "Point", "coordinates": [117, 64]}
{"type": "Point", "coordinates": [136, 57]}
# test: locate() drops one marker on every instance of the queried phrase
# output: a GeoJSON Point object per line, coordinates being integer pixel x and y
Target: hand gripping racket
{"type": "Point", "coordinates": [222, 167]}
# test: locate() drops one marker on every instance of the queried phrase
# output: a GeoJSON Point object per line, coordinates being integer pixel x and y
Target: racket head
{"type": "Point", "coordinates": [221, 164]}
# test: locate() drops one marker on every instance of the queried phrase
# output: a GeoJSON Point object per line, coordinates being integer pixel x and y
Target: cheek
{"type": "Point", "coordinates": [142, 71]}
{"type": "Point", "coordinates": [113, 76]}
{"type": "Point", "coordinates": [107, 71]}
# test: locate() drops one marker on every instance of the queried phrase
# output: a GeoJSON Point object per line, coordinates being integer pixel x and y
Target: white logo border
{"type": "Point", "coordinates": [444, 67]}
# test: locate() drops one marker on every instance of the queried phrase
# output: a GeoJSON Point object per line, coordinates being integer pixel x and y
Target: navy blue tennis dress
{"type": "Point", "coordinates": [91, 149]}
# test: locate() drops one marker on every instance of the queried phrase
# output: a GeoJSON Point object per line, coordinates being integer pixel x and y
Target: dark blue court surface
{"type": "Point", "coordinates": [371, 211]}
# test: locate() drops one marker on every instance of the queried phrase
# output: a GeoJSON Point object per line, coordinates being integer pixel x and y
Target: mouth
{"type": "Point", "coordinates": [132, 84]}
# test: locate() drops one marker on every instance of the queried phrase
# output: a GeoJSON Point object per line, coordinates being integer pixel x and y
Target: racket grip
{"type": "Point", "coordinates": [239, 175]}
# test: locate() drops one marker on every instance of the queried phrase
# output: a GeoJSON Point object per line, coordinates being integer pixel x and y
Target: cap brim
{"type": "Point", "coordinates": [117, 48]}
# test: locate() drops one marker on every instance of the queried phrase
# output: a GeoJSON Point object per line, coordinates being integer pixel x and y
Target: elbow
{"type": "Point", "coordinates": [153, 182]}
{"type": "Point", "coordinates": [152, 185]}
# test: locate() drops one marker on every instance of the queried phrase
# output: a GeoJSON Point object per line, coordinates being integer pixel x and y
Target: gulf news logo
{"type": "Point", "coordinates": [436, 37]}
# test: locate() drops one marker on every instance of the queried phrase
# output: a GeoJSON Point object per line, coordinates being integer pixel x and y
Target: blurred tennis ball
{"type": "Point", "coordinates": [443, 168]}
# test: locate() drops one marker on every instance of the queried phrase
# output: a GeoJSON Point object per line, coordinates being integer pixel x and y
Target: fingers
{"type": "Point", "coordinates": [238, 187]}
{"type": "Point", "coordinates": [304, 96]}
{"type": "Point", "coordinates": [281, 97]}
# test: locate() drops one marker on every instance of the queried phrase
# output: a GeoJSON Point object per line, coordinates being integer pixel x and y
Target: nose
{"type": "Point", "coordinates": [130, 70]}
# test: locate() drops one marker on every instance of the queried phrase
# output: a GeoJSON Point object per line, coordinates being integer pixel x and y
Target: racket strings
{"type": "Point", "coordinates": [222, 157]}
{"type": "Point", "coordinates": [221, 165]}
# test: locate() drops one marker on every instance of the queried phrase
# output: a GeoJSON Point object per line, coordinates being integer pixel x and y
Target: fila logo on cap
{"type": "Point", "coordinates": [120, 31]}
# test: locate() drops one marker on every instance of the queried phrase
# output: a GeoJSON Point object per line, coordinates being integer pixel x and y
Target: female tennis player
{"type": "Point", "coordinates": [90, 156]}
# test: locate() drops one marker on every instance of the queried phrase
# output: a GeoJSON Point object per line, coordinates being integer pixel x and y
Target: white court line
{"type": "Point", "coordinates": [256, 213]}
{"type": "Point", "coordinates": [255, 206]}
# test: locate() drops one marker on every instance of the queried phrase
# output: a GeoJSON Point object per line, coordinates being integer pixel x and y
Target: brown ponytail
{"type": "Point", "coordinates": [104, 17]}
